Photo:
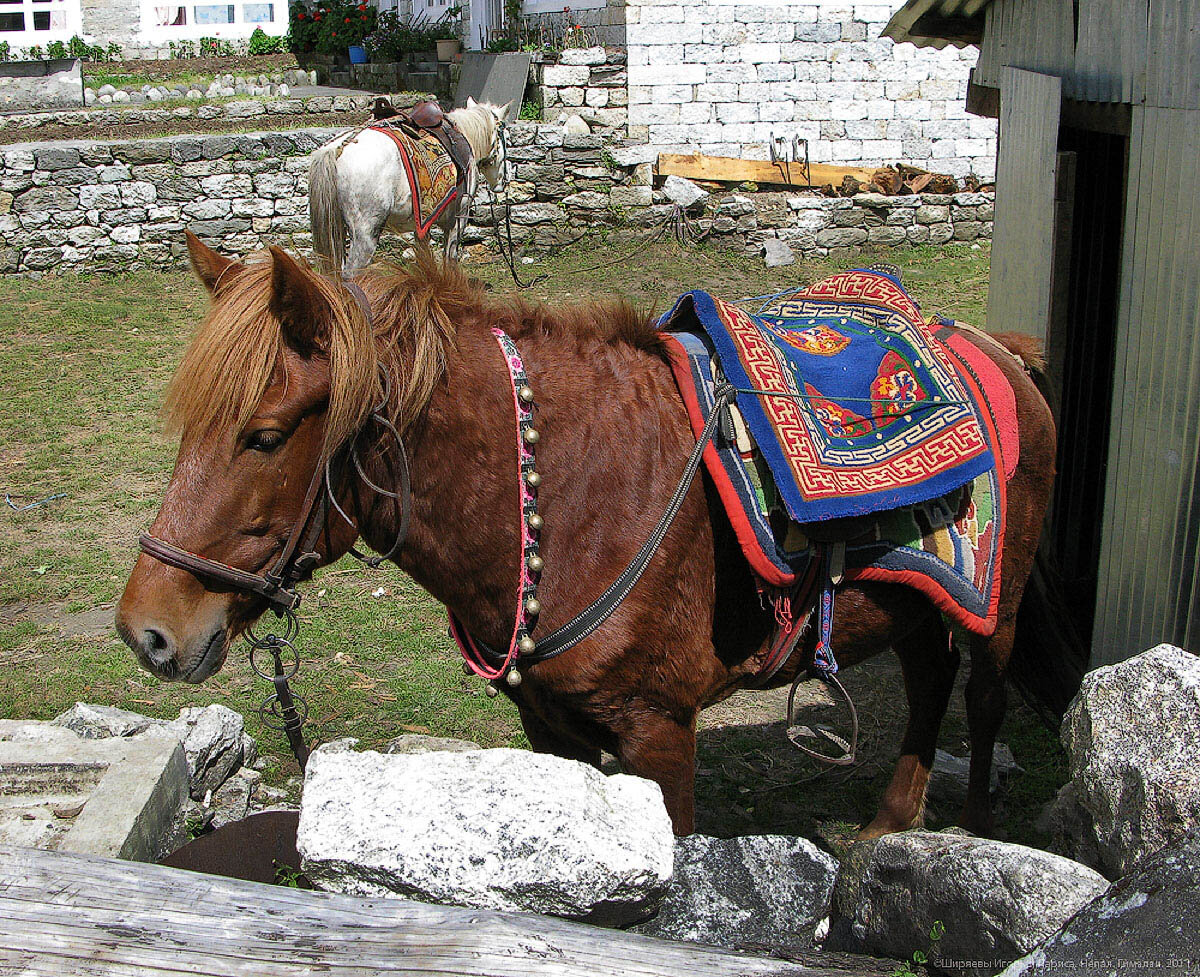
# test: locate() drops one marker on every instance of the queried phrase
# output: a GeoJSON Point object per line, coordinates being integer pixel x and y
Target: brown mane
{"type": "Point", "coordinates": [229, 363]}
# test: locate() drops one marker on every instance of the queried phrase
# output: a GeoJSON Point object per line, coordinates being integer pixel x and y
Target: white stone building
{"type": "Point", "coordinates": [137, 25]}
{"type": "Point", "coordinates": [724, 76]}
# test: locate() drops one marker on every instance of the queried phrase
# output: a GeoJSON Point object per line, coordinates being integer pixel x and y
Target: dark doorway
{"type": "Point", "coordinates": [1080, 351]}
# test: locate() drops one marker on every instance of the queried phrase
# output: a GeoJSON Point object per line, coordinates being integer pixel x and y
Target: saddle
{"type": "Point", "coordinates": [428, 117]}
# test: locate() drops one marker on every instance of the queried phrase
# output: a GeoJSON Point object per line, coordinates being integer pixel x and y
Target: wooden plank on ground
{"type": "Point", "coordinates": [696, 166]}
{"type": "Point", "coordinates": [84, 915]}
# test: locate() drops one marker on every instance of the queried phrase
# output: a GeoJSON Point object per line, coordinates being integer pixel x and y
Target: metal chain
{"type": "Point", "coordinates": [283, 710]}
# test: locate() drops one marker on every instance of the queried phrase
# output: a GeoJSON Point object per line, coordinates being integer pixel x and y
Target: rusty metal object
{"type": "Point", "coordinates": [260, 848]}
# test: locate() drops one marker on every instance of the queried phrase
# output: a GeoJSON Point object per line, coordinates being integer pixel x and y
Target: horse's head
{"type": "Point", "coordinates": [256, 414]}
{"type": "Point", "coordinates": [486, 137]}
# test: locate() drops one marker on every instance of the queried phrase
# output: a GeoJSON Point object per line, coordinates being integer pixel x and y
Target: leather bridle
{"type": "Point", "coordinates": [299, 555]}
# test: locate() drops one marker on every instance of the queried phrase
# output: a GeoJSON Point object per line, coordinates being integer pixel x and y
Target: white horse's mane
{"type": "Point", "coordinates": [477, 123]}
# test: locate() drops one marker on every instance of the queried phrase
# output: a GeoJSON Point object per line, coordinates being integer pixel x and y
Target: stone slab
{"type": "Point", "coordinates": [61, 89]}
{"type": "Point", "coordinates": [114, 797]}
{"type": "Point", "coordinates": [494, 78]}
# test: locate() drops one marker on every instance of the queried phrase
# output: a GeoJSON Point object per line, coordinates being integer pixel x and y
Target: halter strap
{"type": "Point", "coordinates": [299, 555]}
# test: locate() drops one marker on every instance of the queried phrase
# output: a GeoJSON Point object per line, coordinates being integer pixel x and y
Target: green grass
{"type": "Point", "coordinates": [99, 79]}
{"type": "Point", "coordinates": [85, 361]}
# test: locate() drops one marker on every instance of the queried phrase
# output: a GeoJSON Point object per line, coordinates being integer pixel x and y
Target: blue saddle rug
{"type": "Point", "coordinates": [853, 406]}
{"type": "Point", "coordinates": [946, 545]}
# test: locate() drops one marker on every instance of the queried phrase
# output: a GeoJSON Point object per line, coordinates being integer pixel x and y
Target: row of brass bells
{"type": "Point", "coordinates": [526, 645]}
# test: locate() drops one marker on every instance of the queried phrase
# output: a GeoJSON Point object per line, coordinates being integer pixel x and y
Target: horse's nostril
{"type": "Point", "coordinates": [158, 646]}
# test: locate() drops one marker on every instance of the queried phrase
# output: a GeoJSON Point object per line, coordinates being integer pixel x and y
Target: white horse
{"type": "Point", "coordinates": [358, 186]}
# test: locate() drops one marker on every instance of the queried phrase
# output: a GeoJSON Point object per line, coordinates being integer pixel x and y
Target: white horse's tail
{"type": "Point", "coordinates": [325, 209]}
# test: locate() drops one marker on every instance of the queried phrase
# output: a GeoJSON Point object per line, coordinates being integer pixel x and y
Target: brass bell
{"type": "Point", "coordinates": [533, 606]}
{"type": "Point", "coordinates": [536, 563]}
{"type": "Point", "coordinates": [513, 678]}
{"type": "Point", "coordinates": [526, 645]}
{"type": "Point", "coordinates": [536, 521]}
{"type": "Point", "coordinates": [534, 479]}
{"type": "Point", "coordinates": [532, 436]}
{"type": "Point", "coordinates": [526, 394]}
{"type": "Point", "coordinates": [491, 690]}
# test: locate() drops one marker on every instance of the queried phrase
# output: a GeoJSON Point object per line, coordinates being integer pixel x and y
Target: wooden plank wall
{"type": "Point", "coordinates": [1023, 233]}
{"type": "Point", "coordinates": [1110, 55]}
{"type": "Point", "coordinates": [1173, 54]}
{"type": "Point", "coordinates": [1151, 529]}
{"type": "Point", "coordinates": [1032, 34]}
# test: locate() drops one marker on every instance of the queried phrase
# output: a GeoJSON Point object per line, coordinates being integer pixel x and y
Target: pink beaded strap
{"type": "Point", "coordinates": [528, 480]}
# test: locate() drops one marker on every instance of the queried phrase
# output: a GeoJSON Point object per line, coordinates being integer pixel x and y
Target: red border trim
{"type": "Point", "coordinates": [983, 626]}
{"type": "Point", "coordinates": [758, 560]}
{"type": "Point", "coordinates": [422, 229]}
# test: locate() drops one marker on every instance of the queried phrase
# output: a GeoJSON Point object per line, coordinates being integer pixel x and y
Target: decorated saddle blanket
{"type": "Point", "coordinates": [854, 408]}
{"type": "Point", "coordinates": [435, 180]}
{"type": "Point", "coordinates": [947, 545]}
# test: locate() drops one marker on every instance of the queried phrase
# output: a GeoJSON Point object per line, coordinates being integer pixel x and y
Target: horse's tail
{"type": "Point", "coordinates": [1049, 654]}
{"type": "Point", "coordinates": [325, 209]}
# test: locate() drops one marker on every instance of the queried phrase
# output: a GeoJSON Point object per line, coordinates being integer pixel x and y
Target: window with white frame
{"type": "Point", "coordinates": [24, 23]}
{"type": "Point", "coordinates": [206, 18]}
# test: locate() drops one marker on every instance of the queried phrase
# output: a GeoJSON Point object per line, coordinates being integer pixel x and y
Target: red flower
{"type": "Point", "coordinates": [363, 17]}
{"type": "Point", "coordinates": [300, 16]}
{"type": "Point", "coordinates": [347, 20]}
{"type": "Point", "coordinates": [335, 33]}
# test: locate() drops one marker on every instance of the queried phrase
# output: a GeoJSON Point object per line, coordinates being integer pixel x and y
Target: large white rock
{"type": "Point", "coordinates": [996, 901]}
{"type": "Point", "coordinates": [495, 829]}
{"type": "Point", "coordinates": [1132, 735]}
{"type": "Point", "coordinates": [683, 192]}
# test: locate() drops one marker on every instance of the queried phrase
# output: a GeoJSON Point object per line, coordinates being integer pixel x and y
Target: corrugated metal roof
{"type": "Point", "coordinates": [899, 27]}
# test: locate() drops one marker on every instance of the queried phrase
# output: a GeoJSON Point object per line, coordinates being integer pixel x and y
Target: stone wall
{"type": "Point", "coordinates": [722, 77]}
{"type": "Point", "coordinates": [603, 24]}
{"type": "Point", "coordinates": [589, 82]}
{"type": "Point", "coordinates": [117, 205]}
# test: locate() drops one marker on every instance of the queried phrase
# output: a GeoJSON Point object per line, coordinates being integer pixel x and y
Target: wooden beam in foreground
{"type": "Point", "coordinates": [695, 166]}
{"type": "Point", "coordinates": [63, 914]}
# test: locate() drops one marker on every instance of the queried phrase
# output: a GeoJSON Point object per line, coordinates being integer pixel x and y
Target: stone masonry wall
{"type": "Point", "coordinates": [722, 76]}
{"type": "Point", "coordinates": [110, 206]}
{"type": "Point", "coordinates": [589, 82]}
{"type": "Point", "coordinates": [603, 24]}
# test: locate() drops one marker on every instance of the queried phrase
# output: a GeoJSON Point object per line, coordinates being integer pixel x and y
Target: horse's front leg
{"type": "Point", "coordinates": [657, 746]}
{"type": "Point", "coordinates": [454, 233]}
{"type": "Point", "coordinates": [545, 739]}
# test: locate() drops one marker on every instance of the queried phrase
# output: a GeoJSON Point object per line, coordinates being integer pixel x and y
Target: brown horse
{"type": "Point", "coordinates": [286, 369]}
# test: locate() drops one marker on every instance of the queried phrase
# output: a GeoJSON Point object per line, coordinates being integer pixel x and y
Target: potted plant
{"type": "Point", "coordinates": [447, 33]}
{"type": "Point", "coordinates": [341, 26]}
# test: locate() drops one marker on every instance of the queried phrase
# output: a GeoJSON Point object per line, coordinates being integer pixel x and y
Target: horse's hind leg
{"type": "Point", "coordinates": [987, 699]}
{"type": "Point", "coordinates": [930, 662]}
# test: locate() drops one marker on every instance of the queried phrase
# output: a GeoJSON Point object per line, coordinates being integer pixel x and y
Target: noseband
{"type": "Point", "coordinates": [299, 555]}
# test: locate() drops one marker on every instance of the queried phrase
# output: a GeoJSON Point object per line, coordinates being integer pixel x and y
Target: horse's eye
{"type": "Point", "coordinates": [265, 440]}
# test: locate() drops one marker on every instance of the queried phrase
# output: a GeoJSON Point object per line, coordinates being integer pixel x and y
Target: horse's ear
{"type": "Point", "coordinates": [297, 303]}
{"type": "Point", "coordinates": [208, 265]}
{"type": "Point", "coordinates": [502, 111]}
{"type": "Point", "coordinates": [471, 103]}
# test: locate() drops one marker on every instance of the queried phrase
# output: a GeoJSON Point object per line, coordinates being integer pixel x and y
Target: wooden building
{"type": "Point", "coordinates": [1097, 250]}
